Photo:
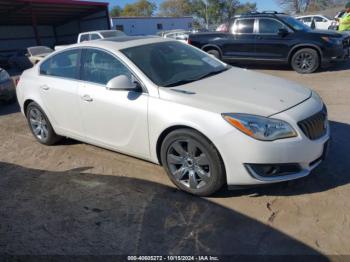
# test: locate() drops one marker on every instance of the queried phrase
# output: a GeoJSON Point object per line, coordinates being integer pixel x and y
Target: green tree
{"type": "Point", "coordinates": [116, 11]}
{"type": "Point", "coordinates": [175, 8]}
{"type": "Point", "coordinates": [139, 8]}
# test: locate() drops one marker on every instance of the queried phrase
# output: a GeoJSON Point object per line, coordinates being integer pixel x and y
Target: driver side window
{"type": "Point", "coordinates": [100, 67]}
{"type": "Point", "coordinates": [270, 26]}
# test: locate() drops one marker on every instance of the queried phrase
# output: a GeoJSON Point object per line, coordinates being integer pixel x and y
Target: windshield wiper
{"type": "Point", "coordinates": [186, 81]}
{"type": "Point", "coordinates": [181, 82]}
{"type": "Point", "coordinates": [212, 73]}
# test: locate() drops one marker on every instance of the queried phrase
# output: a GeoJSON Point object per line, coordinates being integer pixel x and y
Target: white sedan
{"type": "Point", "coordinates": [207, 123]}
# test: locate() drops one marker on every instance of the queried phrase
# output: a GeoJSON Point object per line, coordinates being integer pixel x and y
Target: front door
{"type": "Point", "coordinates": [270, 45]}
{"type": "Point", "coordinates": [115, 119]}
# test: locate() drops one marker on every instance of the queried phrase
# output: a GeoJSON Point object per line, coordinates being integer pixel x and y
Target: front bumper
{"type": "Point", "coordinates": [337, 54]}
{"type": "Point", "coordinates": [300, 150]}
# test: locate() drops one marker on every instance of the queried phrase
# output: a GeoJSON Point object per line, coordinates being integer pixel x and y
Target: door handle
{"type": "Point", "coordinates": [45, 87]}
{"type": "Point", "coordinates": [87, 98]}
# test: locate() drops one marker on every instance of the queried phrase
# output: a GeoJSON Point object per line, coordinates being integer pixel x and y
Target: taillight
{"type": "Point", "coordinates": [189, 41]}
{"type": "Point", "coordinates": [17, 80]}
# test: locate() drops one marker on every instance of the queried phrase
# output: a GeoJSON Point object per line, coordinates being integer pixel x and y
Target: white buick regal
{"type": "Point", "coordinates": [207, 123]}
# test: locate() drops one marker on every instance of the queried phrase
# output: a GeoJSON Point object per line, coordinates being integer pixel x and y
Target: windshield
{"type": "Point", "coordinates": [173, 63]}
{"type": "Point", "coordinates": [39, 50]}
{"type": "Point", "coordinates": [112, 33]}
{"type": "Point", "coordinates": [295, 24]}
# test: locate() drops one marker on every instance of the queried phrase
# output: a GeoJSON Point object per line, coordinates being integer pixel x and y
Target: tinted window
{"type": "Point", "coordinates": [173, 63]}
{"type": "Point", "coordinates": [269, 26]}
{"type": "Point", "coordinates": [244, 26]}
{"type": "Point", "coordinates": [100, 67]}
{"type": "Point", "coordinates": [306, 19]}
{"type": "Point", "coordinates": [84, 38]}
{"type": "Point", "coordinates": [95, 36]}
{"type": "Point", "coordinates": [64, 64]}
{"type": "Point", "coordinates": [319, 19]}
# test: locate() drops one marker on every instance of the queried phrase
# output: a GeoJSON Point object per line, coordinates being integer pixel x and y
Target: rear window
{"type": "Point", "coordinates": [64, 65]}
{"type": "Point", "coordinates": [244, 26]}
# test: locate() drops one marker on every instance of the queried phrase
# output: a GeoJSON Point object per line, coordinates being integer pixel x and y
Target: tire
{"type": "Point", "coordinates": [192, 162]}
{"type": "Point", "coordinates": [40, 125]}
{"type": "Point", "coordinates": [305, 61]}
{"type": "Point", "coordinates": [214, 53]}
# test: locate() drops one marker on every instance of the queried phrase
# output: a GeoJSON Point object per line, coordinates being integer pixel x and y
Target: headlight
{"type": "Point", "coordinates": [332, 40]}
{"type": "Point", "coordinates": [4, 76]}
{"type": "Point", "coordinates": [261, 128]}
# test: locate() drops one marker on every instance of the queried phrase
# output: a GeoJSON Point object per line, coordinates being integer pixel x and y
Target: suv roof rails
{"type": "Point", "coordinates": [268, 12]}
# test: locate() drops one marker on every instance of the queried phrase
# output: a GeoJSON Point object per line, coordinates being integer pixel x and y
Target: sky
{"type": "Point", "coordinates": [262, 4]}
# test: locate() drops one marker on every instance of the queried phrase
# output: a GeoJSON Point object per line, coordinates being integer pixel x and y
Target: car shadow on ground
{"type": "Point", "coordinates": [332, 173]}
{"type": "Point", "coordinates": [332, 67]}
{"type": "Point", "coordinates": [67, 213]}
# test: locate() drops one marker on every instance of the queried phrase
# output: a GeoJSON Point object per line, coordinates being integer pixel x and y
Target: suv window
{"type": "Point", "coordinates": [269, 26]}
{"type": "Point", "coordinates": [100, 67]}
{"type": "Point", "coordinates": [95, 37]}
{"type": "Point", "coordinates": [64, 64]}
{"type": "Point", "coordinates": [84, 38]}
{"type": "Point", "coordinates": [243, 26]}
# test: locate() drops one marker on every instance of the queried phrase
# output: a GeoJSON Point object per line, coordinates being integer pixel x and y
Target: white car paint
{"type": "Point", "coordinates": [321, 22]}
{"type": "Point", "coordinates": [133, 125]}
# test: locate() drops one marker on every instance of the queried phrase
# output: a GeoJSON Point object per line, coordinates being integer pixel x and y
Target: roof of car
{"type": "Point", "coordinates": [122, 42]}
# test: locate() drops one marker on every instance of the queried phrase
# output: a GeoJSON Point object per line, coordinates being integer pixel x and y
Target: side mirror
{"type": "Point", "coordinates": [121, 82]}
{"type": "Point", "coordinates": [283, 32]}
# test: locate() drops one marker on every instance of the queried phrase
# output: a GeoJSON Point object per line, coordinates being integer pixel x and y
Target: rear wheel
{"type": "Point", "coordinates": [192, 162]}
{"type": "Point", "coordinates": [214, 53]}
{"type": "Point", "coordinates": [40, 125]}
{"type": "Point", "coordinates": [305, 61]}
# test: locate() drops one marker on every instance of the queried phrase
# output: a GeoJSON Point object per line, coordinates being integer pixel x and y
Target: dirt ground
{"type": "Point", "coordinates": [78, 199]}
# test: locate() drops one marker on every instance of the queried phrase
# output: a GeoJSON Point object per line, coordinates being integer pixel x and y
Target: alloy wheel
{"type": "Point", "coordinates": [38, 124]}
{"type": "Point", "coordinates": [305, 61]}
{"type": "Point", "coordinates": [189, 164]}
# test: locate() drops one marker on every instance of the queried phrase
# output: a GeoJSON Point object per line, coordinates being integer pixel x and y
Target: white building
{"type": "Point", "coordinates": [150, 25]}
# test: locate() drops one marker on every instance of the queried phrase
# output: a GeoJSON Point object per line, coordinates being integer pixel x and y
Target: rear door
{"type": "Point", "coordinates": [59, 91]}
{"type": "Point", "coordinates": [271, 45]}
{"type": "Point", "coordinates": [240, 44]}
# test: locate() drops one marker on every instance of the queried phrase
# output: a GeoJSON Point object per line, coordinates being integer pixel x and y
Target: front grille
{"type": "Point", "coordinates": [315, 126]}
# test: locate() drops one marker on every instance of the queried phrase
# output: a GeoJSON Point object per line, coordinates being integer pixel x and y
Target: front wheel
{"type": "Point", "coordinates": [305, 61]}
{"type": "Point", "coordinates": [192, 162]}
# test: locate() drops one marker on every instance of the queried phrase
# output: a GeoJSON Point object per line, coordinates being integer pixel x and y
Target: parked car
{"type": "Point", "coordinates": [277, 38]}
{"type": "Point", "coordinates": [320, 21]}
{"type": "Point", "coordinates": [181, 36]}
{"type": "Point", "coordinates": [7, 89]}
{"type": "Point", "coordinates": [222, 28]}
{"type": "Point", "coordinates": [94, 35]}
{"type": "Point", "coordinates": [207, 123]}
{"type": "Point", "coordinates": [37, 53]}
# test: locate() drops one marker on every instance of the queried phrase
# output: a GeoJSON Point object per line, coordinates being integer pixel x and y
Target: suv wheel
{"type": "Point", "coordinates": [40, 125]}
{"type": "Point", "coordinates": [192, 162]}
{"type": "Point", "coordinates": [214, 53]}
{"type": "Point", "coordinates": [305, 61]}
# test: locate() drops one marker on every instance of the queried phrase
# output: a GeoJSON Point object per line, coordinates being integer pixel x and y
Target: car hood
{"type": "Point", "coordinates": [239, 91]}
{"type": "Point", "coordinates": [328, 33]}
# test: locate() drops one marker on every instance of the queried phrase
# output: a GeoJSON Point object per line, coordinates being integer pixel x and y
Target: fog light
{"type": "Point", "coordinates": [272, 170]}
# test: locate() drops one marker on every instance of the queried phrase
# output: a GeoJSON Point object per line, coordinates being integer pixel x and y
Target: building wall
{"type": "Point", "coordinates": [151, 25]}
{"type": "Point", "coordinates": [14, 38]}
{"type": "Point", "coordinates": [19, 37]}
